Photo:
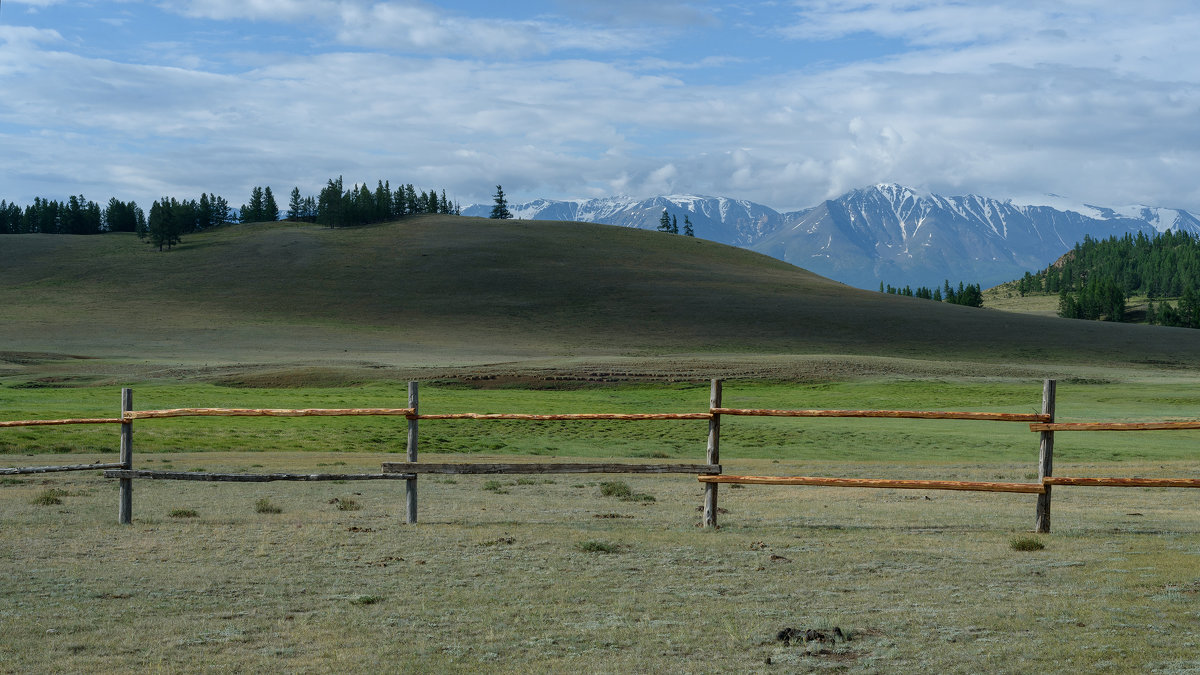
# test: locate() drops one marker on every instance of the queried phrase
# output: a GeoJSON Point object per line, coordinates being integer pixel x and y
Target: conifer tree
{"type": "Point", "coordinates": [270, 210]}
{"type": "Point", "coordinates": [687, 227]}
{"type": "Point", "coordinates": [664, 222]}
{"type": "Point", "coordinates": [500, 208]}
{"type": "Point", "coordinates": [295, 205]}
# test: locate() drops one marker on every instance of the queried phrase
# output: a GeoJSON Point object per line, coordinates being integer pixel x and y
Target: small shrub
{"type": "Point", "coordinates": [495, 486]}
{"type": "Point", "coordinates": [48, 497]}
{"type": "Point", "coordinates": [1026, 544]}
{"type": "Point", "coordinates": [345, 504]}
{"type": "Point", "coordinates": [622, 491]}
{"type": "Point", "coordinates": [593, 546]}
{"type": "Point", "coordinates": [184, 513]}
{"type": "Point", "coordinates": [366, 600]}
{"type": "Point", "coordinates": [615, 489]}
{"type": "Point", "coordinates": [526, 481]}
{"type": "Point", "coordinates": [264, 505]}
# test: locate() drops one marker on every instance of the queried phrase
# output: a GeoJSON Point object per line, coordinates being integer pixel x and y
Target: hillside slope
{"type": "Point", "coordinates": [466, 291]}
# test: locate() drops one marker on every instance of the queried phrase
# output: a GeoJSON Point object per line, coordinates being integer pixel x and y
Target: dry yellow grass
{"type": "Point", "coordinates": [551, 575]}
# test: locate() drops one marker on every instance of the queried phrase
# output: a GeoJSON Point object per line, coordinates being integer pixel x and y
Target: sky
{"type": "Point", "coordinates": [782, 103]}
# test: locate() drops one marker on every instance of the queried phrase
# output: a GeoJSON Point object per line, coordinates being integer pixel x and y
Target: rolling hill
{"type": "Point", "coordinates": [445, 293]}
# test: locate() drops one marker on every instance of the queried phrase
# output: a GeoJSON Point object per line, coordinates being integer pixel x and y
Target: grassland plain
{"type": "Point", "coordinates": [442, 293]}
{"type": "Point", "coordinates": [549, 573]}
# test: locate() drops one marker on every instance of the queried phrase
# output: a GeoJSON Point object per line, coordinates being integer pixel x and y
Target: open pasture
{"type": "Point", "coordinates": [603, 573]}
{"type": "Point", "coordinates": [560, 573]}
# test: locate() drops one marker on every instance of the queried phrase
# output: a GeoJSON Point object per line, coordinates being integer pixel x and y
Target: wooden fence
{"type": "Point", "coordinates": [709, 473]}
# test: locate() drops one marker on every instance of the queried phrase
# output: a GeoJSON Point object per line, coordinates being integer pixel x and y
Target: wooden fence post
{"type": "Point", "coordinates": [714, 455]}
{"type": "Point", "coordinates": [1045, 458]}
{"type": "Point", "coordinates": [410, 485]}
{"type": "Point", "coordinates": [125, 515]}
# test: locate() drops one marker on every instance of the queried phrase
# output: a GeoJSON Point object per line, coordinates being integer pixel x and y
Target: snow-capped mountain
{"type": "Point", "coordinates": [730, 221]}
{"type": "Point", "coordinates": [885, 232]}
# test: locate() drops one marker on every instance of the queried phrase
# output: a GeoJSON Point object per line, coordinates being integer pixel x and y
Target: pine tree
{"type": "Point", "coordinates": [270, 210]}
{"type": "Point", "coordinates": [295, 205]}
{"type": "Point", "coordinates": [687, 227]}
{"type": "Point", "coordinates": [500, 209]}
{"type": "Point", "coordinates": [674, 225]}
{"type": "Point", "coordinates": [664, 222]}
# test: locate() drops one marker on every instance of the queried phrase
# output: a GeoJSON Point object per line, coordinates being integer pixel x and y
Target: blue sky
{"type": "Point", "coordinates": [784, 103]}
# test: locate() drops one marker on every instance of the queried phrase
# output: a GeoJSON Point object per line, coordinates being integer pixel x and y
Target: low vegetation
{"type": "Point", "coordinates": [912, 582]}
{"type": "Point", "coordinates": [1026, 544]}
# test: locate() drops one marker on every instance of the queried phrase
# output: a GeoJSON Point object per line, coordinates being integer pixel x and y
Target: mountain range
{"type": "Point", "coordinates": [882, 233]}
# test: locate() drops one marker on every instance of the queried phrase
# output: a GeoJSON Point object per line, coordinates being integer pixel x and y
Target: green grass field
{"type": "Point", "coordinates": [553, 573]}
{"type": "Point", "coordinates": [549, 574]}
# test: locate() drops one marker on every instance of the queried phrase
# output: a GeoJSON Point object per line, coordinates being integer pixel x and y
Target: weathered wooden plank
{"type": "Point", "coordinates": [126, 474]}
{"type": "Point", "coordinates": [265, 412]}
{"type": "Point", "coordinates": [1041, 520]}
{"type": "Point", "coordinates": [125, 505]}
{"type": "Point", "coordinates": [972, 486]}
{"type": "Point", "coordinates": [1124, 482]}
{"type": "Point", "coordinates": [713, 455]}
{"type": "Point", "coordinates": [566, 416]}
{"type": "Point", "coordinates": [558, 467]}
{"type": "Point", "coordinates": [44, 423]}
{"type": "Point", "coordinates": [64, 467]}
{"type": "Point", "coordinates": [904, 414]}
{"type": "Point", "coordinates": [1114, 426]}
{"type": "Point", "coordinates": [410, 486]}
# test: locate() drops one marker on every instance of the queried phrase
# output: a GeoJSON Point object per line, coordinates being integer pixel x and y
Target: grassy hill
{"type": "Point", "coordinates": [446, 292]}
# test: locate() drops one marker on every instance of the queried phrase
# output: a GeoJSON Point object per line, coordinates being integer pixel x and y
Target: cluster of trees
{"type": "Point", "coordinates": [339, 206]}
{"type": "Point", "coordinates": [262, 206]}
{"type": "Point", "coordinates": [77, 215]}
{"type": "Point", "coordinates": [970, 295]}
{"type": "Point", "coordinates": [1162, 265]}
{"type": "Point", "coordinates": [668, 223]}
{"type": "Point", "coordinates": [1095, 279]}
{"type": "Point", "coordinates": [170, 218]}
{"type": "Point", "coordinates": [1184, 314]}
{"type": "Point", "coordinates": [1098, 299]}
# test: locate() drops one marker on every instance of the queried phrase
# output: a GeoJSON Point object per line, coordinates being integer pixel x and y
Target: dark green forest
{"type": "Point", "coordinates": [970, 295]}
{"type": "Point", "coordinates": [169, 218]}
{"type": "Point", "coordinates": [1095, 279]}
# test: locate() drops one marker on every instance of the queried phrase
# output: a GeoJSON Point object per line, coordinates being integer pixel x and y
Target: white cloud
{"type": "Point", "coordinates": [1103, 110]}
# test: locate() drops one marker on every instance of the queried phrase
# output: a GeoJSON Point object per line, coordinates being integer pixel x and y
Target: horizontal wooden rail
{"type": "Point", "coordinates": [51, 469]}
{"type": "Point", "coordinates": [265, 412]}
{"type": "Point", "coordinates": [1024, 488]}
{"type": "Point", "coordinates": [1123, 482]}
{"type": "Point", "coordinates": [1114, 426]}
{"type": "Point", "coordinates": [46, 423]}
{"type": "Point", "coordinates": [556, 467]}
{"type": "Point", "coordinates": [250, 477]}
{"type": "Point", "coordinates": [906, 414]}
{"type": "Point", "coordinates": [565, 416]}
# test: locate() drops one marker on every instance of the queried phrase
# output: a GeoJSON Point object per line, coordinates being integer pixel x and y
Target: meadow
{"type": "Point", "coordinates": [589, 573]}
{"type": "Point", "coordinates": [549, 573]}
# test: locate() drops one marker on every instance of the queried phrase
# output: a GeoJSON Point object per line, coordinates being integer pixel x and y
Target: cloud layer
{"type": "Point", "coordinates": [785, 105]}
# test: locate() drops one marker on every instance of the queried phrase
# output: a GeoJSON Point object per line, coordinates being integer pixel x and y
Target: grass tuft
{"type": "Point", "coordinates": [622, 491]}
{"type": "Point", "coordinates": [594, 546]}
{"type": "Point", "coordinates": [264, 505]}
{"type": "Point", "coordinates": [366, 600]}
{"type": "Point", "coordinates": [495, 486]}
{"type": "Point", "coordinates": [184, 513]}
{"type": "Point", "coordinates": [1026, 544]}
{"type": "Point", "coordinates": [345, 504]}
{"type": "Point", "coordinates": [48, 497]}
